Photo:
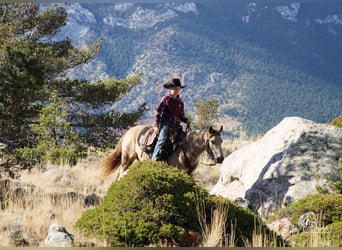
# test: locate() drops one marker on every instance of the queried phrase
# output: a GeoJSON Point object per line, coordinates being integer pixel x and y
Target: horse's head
{"type": "Point", "coordinates": [214, 144]}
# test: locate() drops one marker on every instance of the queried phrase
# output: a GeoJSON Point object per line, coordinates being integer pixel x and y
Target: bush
{"type": "Point", "coordinates": [329, 236]}
{"type": "Point", "coordinates": [156, 202]}
{"type": "Point", "coordinates": [56, 140]}
{"type": "Point", "coordinates": [152, 202]}
{"type": "Point", "coordinates": [327, 207]}
{"type": "Point", "coordinates": [337, 122]}
{"type": "Point", "coordinates": [335, 230]}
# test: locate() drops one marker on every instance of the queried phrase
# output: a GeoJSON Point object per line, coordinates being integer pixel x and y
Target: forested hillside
{"type": "Point", "coordinates": [262, 60]}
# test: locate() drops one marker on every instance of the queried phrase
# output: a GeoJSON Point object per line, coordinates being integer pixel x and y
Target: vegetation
{"type": "Point", "coordinates": [207, 112]}
{"type": "Point", "coordinates": [327, 206]}
{"type": "Point", "coordinates": [329, 236]}
{"type": "Point", "coordinates": [57, 141]}
{"type": "Point", "coordinates": [337, 122]}
{"type": "Point", "coordinates": [48, 118]}
{"type": "Point", "coordinates": [31, 62]}
{"type": "Point", "coordinates": [31, 201]}
{"type": "Point", "coordinates": [323, 227]}
{"type": "Point", "coordinates": [155, 203]}
{"type": "Point", "coordinates": [32, 66]}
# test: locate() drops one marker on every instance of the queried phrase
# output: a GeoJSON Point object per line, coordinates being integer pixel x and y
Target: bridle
{"type": "Point", "coordinates": [191, 162]}
{"type": "Point", "coordinates": [208, 149]}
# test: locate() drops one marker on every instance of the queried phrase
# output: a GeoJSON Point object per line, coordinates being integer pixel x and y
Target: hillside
{"type": "Point", "coordinates": [263, 61]}
{"type": "Point", "coordinates": [285, 165]}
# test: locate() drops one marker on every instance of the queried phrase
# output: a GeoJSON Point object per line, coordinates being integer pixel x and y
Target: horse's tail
{"type": "Point", "coordinates": [112, 162]}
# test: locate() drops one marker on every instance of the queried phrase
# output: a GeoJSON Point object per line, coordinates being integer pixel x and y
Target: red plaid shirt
{"type": "Point", "coordinates": [170, 110]}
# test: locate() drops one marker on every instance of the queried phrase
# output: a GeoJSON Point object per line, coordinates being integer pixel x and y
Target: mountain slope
{"type": "Point", "coordinates": [263, 61]}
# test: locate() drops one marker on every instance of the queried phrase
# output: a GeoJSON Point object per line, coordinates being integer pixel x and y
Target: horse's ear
{"type": "Point", "coordinates": [221, 128]}
{"type": "Point", "coordinates": [211, 129]}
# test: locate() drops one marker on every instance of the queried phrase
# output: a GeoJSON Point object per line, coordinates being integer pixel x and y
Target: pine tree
{"type": "Point", "coordinates": [57, 141]}
{"type": "Point", "coordinates": [32, 64]}
{"type": "Point", "coordinates": [207, 112]}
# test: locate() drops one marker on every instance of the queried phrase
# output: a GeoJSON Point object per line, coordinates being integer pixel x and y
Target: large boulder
{"type": "Point", "coordinates": [294, 159]}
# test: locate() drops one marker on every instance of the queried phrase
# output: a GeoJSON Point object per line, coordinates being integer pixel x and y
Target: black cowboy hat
{"type": "Point", "coordinates": [174, 82]}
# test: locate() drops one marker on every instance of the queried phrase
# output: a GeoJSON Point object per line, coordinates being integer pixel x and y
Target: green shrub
{"type": "Point", "coordinates": [153, 202]}
{"type": "Point", "coordinates": [327, 207]}
{"type": "Point", "coordinates": [335, 230]}
{"type": "Point", "coordinates": [28, 156]}
{"type": "Point", "coordinates": [329, 236]}
{"type": "Point", "coordinates": [337, 122]}
{"type": "Point", "coordinates": [56, 140]}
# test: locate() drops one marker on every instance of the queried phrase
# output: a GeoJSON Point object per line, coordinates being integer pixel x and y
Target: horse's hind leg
{"type": "Point", "coordinates": [126, 161]}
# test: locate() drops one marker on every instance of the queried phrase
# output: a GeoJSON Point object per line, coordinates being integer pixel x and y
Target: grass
{"type": "Point", "coordinates": [38, 199]}
{"type": "Point", "coordinates": [43, 200]}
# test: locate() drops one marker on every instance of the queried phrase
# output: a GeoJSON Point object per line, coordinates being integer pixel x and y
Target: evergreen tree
{"type": "Point", "coordinates": [32, 64]}
{"type": "Point", "coordinates": [56, 140]}
{"type": "Point", "coordinates": [207, 112]}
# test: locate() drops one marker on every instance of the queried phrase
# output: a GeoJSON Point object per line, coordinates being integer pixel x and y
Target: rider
{"type": "Point", "coordinates": [170, 112]}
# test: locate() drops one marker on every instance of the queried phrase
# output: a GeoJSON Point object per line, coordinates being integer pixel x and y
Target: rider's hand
{"type": "Point", "coordinates": [156, 129]}
{"type": "Point", "coordinates": [188, 125]}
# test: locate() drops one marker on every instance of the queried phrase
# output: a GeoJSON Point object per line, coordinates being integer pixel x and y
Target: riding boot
{"type": "Point", "coordinates": [162, 155]}
{"type": "Point", "coordinates": [158, 156]}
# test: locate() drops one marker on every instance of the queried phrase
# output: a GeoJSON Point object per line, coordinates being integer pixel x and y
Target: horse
{"type": "Point", "coordinates": [184, 157]}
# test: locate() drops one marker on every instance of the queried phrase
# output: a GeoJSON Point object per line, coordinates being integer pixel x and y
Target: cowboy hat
{"type": "Point", "coordinates": [174, 82]}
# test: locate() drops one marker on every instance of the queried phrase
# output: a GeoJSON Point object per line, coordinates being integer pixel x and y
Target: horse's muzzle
{"type": "Point", "coordinates": [219, 159]}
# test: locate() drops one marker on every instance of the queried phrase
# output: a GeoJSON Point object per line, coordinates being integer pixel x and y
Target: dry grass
{"type": "Point", "coordinates": [47, 195]}
{"type": "Point", "coordinates": [40, 198]}
{"type": "Point", "coordinates": [213, 234]}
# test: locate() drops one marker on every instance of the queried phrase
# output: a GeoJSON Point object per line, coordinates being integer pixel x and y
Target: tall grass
{"type": "Point", "coordinates": [32, 208]}
{"type": "Point", "coordinates": [213, 233]}
{"type": "Point", "coordinates": [45, 196]}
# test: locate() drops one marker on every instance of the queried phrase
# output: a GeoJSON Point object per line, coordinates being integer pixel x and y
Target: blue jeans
{"type": "Point", "coordinates": [164, 129]}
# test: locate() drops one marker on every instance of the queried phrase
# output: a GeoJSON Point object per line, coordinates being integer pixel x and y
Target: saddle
{"type": "Point", "coordinates": [147, 139]}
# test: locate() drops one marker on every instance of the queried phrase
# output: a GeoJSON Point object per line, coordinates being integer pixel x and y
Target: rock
{"type": "Point", "coordinates": [292, 160]}
{"type": "Point", "coordinates": [283, 227]}
{"type": "Point", "coordinates": [308, 221]}
{"type": "Point", "coordinates": [92, 200]}
{"type": "Point", "coordinates": [58, 236]}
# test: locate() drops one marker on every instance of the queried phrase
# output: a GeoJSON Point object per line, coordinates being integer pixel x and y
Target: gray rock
{"type": "Point", "coordinates": [58, 236]}
{"type": "Point", "coordinates": [288, 163]}
{"type": "Point", "coordinates": [308, 221]}
{"type": "Point", "coordinates": [92, 200]}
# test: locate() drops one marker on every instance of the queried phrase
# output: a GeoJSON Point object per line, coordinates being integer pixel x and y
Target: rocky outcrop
{"type": "Point", "coordinates": [58, 236]}
{"type": "Point", "coordinates": [296, 158]}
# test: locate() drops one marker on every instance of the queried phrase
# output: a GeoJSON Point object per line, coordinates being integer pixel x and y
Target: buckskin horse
{"type": "Point", "coordinates": [184, 157]}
